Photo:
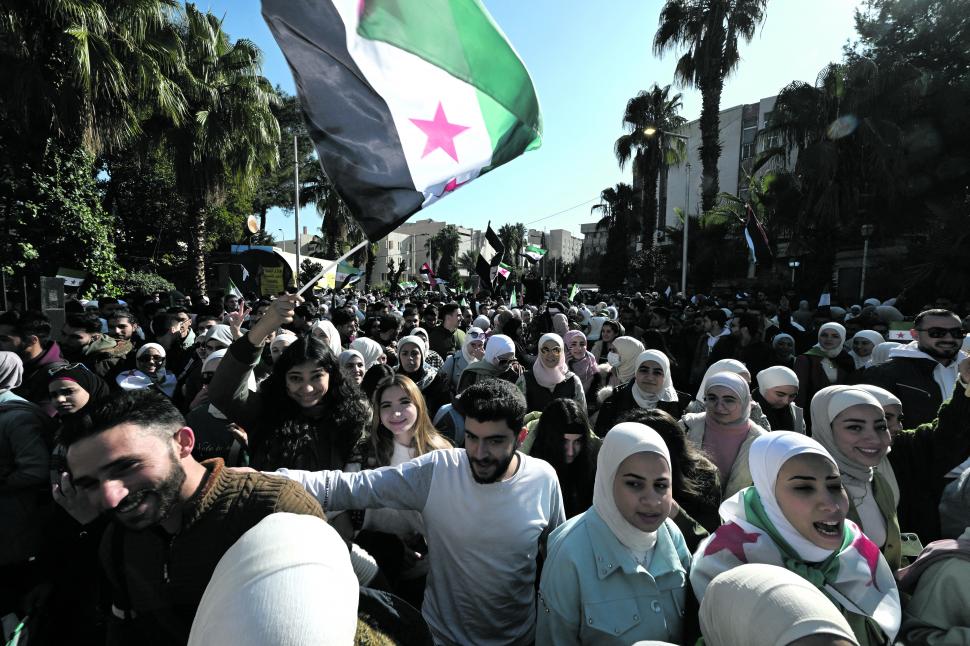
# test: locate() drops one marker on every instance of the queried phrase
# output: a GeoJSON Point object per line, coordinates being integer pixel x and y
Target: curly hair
{"type": "Point", "coordinates": [381, 441]}
{"type": "Point", "coordinates": [346, 411]}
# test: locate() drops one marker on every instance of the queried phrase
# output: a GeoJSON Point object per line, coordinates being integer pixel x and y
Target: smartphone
{"type": "Point", "coordinates": [911, 545]}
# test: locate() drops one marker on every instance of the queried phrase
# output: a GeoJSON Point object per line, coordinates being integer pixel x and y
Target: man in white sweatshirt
{"type": "Point", "coordinates": [487, 511]}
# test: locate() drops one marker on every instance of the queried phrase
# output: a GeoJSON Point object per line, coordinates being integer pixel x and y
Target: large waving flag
{"type": "Point", "coordinates": [757, 239]}
{"type": "Point", "coordinates": [533, 253]}
{"type": "Point", "coordinates": [405, 100]}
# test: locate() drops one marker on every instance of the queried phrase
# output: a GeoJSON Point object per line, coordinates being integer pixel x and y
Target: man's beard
{"type": "Point", "coordinates": [168, 493]}
{"type": "Point", "coordinates": [500, 469]}
{"type": "Point", "coordinates": [946, 355]}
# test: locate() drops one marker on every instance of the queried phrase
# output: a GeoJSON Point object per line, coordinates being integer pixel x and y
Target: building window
{"type": "Point", "coordinates": [747, 150]}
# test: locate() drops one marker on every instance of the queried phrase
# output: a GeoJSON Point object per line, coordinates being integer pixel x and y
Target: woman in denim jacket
{"type": "Point", "coordinates": [617, 573]}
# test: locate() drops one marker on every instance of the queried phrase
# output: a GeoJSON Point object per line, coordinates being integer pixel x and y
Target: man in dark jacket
{"type": "Point", "coordinates": [28, 336]}
{"type": "Point", "coordinates": [82, 341]}
{"type": "Point", "coordinates": [172, 517]}
{"type": "Point", "coordinates": [745, 343]}
{"type": "Point", "coordinates": [923, 372]}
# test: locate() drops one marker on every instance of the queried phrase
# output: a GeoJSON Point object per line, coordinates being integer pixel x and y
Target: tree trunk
{"type": "Point", "coordinates": [710, 148]}
{"type": "Point", "coordinates": [197, 229]}
{"type": "Point", "coordinates": [262, 218]}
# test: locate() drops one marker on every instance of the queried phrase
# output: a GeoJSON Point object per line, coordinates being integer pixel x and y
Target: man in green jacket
{"type": "Point", "coordinates": [172, 518]}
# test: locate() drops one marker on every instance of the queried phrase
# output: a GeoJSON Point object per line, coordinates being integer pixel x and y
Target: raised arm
{"type": "Point", "coordinates": [405, 486]}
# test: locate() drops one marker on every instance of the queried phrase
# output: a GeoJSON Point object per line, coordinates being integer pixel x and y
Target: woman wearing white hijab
{"type": "Point", "coordinates": [724, 431]}
{"type": "Point", "coordinates": [880, 354]}
{"type": "Point", "coordinates": [328, 333]}
{"type": "Point", "coordinates": [472, 349]}
{"type": "Point", "coordinates": [863, 343]}
{"type": "Point", "coordinates": [549, 377]}
{"type": "Point", "coordinates": [776, 393]}
{"type": "Point", "coordinates": [616, 573]}
{"type": "Point", "coordinates": [352, 364]}
{"type": "Point", "coordinates": [498, 363]}
{"type": "Point", "coordinates": [794, 516]}
{"type": "Point", "coordinates": [280, 342]}
{"type": "Point", "coordinates": [728, 365]}
{"type": "Point", "coordinates": [824, 364]}
{"type": "Point", "coordinates": [150, 373]}
{"type": "Point", "coordinates": [769, 606]}
{"type": "Point", "coordinates": [621, 364]}
{"type": "Point", "coordinates": [922, 462]}
{"type": "Point", "coordinates": [370, 351]}
{"type": "Point", "coordinates": [652, 387]}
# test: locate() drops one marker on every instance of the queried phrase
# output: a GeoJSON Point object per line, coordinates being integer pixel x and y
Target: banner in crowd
{"type": "Point", "coordinates": [405, 101]}
{"type": "Point", "coordinates": [271, 280]}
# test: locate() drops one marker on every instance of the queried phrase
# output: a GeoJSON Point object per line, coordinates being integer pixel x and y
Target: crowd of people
{"type": "Point", "coordinates": [408, 469]}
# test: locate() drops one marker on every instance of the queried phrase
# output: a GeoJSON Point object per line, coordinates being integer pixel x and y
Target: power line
{"type": "Point", "coordinates": [563, 211]}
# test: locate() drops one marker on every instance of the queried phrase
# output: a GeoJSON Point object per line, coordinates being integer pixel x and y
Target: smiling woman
{"type": "Point", "coordinates": [794, 516]}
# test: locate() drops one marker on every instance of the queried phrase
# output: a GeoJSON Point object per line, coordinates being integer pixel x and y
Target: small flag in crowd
{"type": "Point", "coordinates": [346, 274]}
{"type": "Point", "coordinates": [513, 299]}
{"type": "Point", "coordinates": [427, 275]}
{"type": "Point", "coordinates": [533, 253]}
{"type": "Point", "coordinates": [405, 101]}
{"type": "Point", "coordinates": [573, 291]}
{"type": "Point", "coordinates": [503, 270]}
{"type": "Point", "coordinates": [489, 257]}
{"type": "Point", "coordinates": [233, 290]}
{"type": "Point", "coordinates": [754, 235]}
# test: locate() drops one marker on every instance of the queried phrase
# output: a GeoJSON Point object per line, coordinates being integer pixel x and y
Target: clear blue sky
{"type": "Point", "coordinates": [586, 60]}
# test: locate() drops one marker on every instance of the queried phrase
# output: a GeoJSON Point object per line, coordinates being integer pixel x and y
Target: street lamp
{"type": "Point", "coordinates": [793, 264]}
{"type": "Point", "coordinates": [282, 244]}
{"type": "Point", "coordinates": [867, 230]}
{"type": "Point", "coordinates": [650, 131]}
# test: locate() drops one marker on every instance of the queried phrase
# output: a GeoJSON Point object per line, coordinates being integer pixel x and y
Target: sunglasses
{"type": "Point", "coordinates": [74, 366]}
{"type": "Point", "coordinates": [942, 332]}
{"type": "Point", "coordinates": [151, 359]}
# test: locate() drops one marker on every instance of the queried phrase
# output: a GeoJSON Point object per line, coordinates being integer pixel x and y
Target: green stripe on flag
{"type": "Point", "coordinates": [460, 37]}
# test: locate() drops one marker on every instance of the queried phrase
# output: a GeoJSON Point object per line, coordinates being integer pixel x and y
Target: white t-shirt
{"type": "Point", "coordinates": [483, 539]}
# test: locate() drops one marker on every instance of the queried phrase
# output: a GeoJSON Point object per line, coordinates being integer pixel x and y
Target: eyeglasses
{"type": "Point", "coordinates": [941, 332]}
{"type": "Point", "coordinates": [553, 350]}
{"type": "Point", "coordinates": [148, 358]}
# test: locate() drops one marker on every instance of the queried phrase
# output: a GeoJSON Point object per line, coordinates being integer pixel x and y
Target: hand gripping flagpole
{"type": "Point", "coordinates": [331, 266]}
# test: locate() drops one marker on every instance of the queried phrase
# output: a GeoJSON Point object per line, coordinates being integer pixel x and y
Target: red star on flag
{"type": "Point", "coordinates": [441, 133]}
{"type": "Point", "coordinates": [732, 538]}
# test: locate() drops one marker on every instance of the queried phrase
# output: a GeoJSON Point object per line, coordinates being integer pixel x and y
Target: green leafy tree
{"type": "Point", "coordinates": [468, 261]}
{"type": "Point", "coordinates": [231, 134]}
{"type": "Point", "coordinates": [648, 117]}
{"type": "Point", "coordinates": [708, 258]}
{"type": "Point", "coordinates": [56, 219]}
{"type": "Point", "coordinates": [710, 31]}
{"type": "Point", "coordinates": [513, 236]}
{"type": "Point", "coordinates": [143, 282]}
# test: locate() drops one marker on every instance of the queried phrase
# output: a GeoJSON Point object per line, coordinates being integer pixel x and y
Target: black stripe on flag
{"type": "Point", "coordinates": [349, 122]}
{"type": "Point", "coordinates": [492, 253]}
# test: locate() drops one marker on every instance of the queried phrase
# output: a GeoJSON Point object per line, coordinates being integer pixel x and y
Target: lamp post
{"type": "Point", "coordinates": [650, 131]}
{"type": "Point", "coordinates": [793, 264]}
{"type": "Point", "coordinates": [282, 244]}
{"type": "Point", "coordinates": [867, 230]}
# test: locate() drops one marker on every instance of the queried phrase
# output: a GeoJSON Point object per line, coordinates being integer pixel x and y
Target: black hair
{"type": "Point", "coordinates": [716, 315]}
{"type": "Point", "coordinates": [449, 308]}
{"type": "Point", "coordinates": [694, 476]}
{"type": "Point", "coordinates": [933, 312]}
{"type": "Point", "coordinates": [754, 323]}
{"type": "Point", "coordinates": [123, 314]}
{"type": "Point", "coordinates": [429, 310]}
{"type": "Point", "coordinates": [90, 323]}
{"type": "Point", "coordinates": [202, 318]}
{"type": "Point", "coordinates": [616, 325]}
{"type": "Point", "coordinates": [374, 375]}
{"type": "Point", "coordinates": [390, 322]}
{"type": "Point", "coordinates": [342, 316]}
{"type": "Point", "coordinates": [148, 409]}
{"type": "Point", "coordinates": [560, 417]}
{"type": "Point", "coordinates": [163, 322]}
{"type": "Point", "coordinates": [491, 400]}
{"type": "Point", "coordinates": [30, 323]}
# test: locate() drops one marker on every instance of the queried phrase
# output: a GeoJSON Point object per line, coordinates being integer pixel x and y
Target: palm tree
{"type": "Point", "coordinates": [513, 236]}
{"type": "Point", "coordinates": [468, 261]}
{"type": "Point", "coordinates": [443, 250]}
{"type": "Point", "coordinates": [87, 72]}
{"type": "Point", "coordinates": [648, 116]}
{"type": "Point", "coordinates": [710, 30]}
{"type": "Point", "coordinates": [618, 210]}
{"type": "Point", "coordinates": [231, 132]}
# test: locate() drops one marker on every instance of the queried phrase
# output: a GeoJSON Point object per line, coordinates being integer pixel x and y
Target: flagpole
{"type": "Point", "coordinates": [296, 207]}
{"type": "Point", "coordinates": [331, 266]}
